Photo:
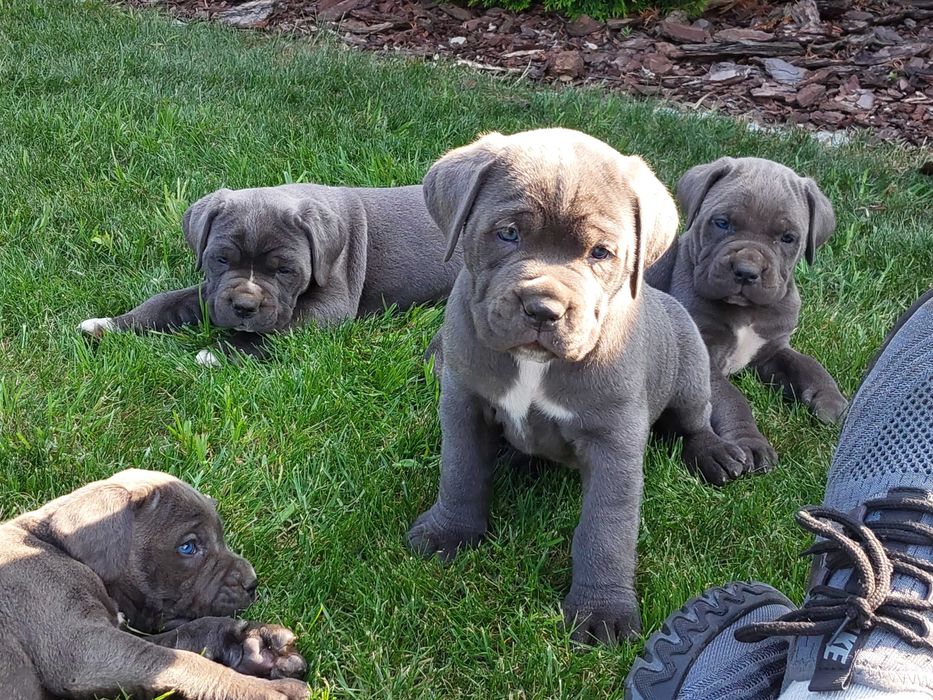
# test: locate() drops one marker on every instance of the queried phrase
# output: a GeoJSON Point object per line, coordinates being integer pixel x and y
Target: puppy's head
{"type": "Point", "coordinates": [557, 229]}
{"type": "Point", "coordinates": [260, 249]}
{"type": "Point", "coordinates": [749, 220]}
{"type": "Point", "coordinates": [156, 543]}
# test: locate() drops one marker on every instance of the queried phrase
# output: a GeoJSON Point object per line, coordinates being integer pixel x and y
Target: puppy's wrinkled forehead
{"type": "Point", "coordinates": [256, 218]}
{"type": "Point", "coordinates": [741, 192]}
{"type": "Point", "coordinates": [168, 499]}
{"type": "Point", "coordinates": [565, 178]}
{"type": "Point", "coordinates": [185, 502]}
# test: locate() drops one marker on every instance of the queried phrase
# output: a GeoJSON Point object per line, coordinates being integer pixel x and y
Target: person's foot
{"type": "Point", "coordinates": [694, 656]}
{"type": "Point", "coordinates": [868, 617]}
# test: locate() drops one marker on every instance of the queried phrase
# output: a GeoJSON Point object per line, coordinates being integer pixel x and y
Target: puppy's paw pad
{"type": "Point", "coordinates": [96, 327]}
{"type": "Point", "coordinates": [269, 652]}
{"type": "Point", "coordinates": [429, 537]}
{"type": "Point", "coordinates": [206, 358]}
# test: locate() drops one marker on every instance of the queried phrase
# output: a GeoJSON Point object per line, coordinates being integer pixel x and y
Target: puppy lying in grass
{"type": "Point", "coordinates": [276, 258]}
{"type": "Point", "coordinates": [146, 548]}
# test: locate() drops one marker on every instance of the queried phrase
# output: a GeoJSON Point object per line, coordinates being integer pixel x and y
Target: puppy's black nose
{"type": "Point", "coordinates": [244, 307]}
{"type": "Point", "coordinates": [543, 309]}
{"type": "Point", "coordinates": [250, 583]}
{"type": "Point", "coordinates": [745, 273]}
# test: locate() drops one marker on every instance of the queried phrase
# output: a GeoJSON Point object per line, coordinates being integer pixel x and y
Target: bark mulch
{"type": "Point", "coordinates": [826, 65]}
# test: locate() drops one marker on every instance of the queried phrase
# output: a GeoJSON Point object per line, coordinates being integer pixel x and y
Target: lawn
{"type": "Point", "coordinates": [111, 122]}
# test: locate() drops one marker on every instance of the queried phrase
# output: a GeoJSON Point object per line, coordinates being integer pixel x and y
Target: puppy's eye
{"type": "Point", "coordinates": [222, 260]}
{"type": "Point", "coordinates": [509, 233]}
{"type": "Point", "coordinates": [721, 223]}
{"type": "Point", "coordinates": [285, 271]}
{"type": "Point", "coordinates": [788, 238]}
{"type": "Point", "coordinates": [600, 252]}
{"type": "Point", "coordinates": [188, 548]}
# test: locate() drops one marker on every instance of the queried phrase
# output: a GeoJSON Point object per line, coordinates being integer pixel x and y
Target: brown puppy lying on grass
{"type": "Point", "coordinates": [149, 547]}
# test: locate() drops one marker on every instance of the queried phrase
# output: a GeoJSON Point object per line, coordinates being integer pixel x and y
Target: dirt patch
{"type": "Point", "coordinates": [826, 65]}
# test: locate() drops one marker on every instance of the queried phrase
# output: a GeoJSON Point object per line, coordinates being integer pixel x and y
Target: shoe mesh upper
{"type": "Point", "coordinates": [887, 440]}
{"type": "Point", "coordinates": [727, 669]}
{"type": "Point", "coordinates": [886, 443]}
{"type": "Point", "coordinates": [906, 442]}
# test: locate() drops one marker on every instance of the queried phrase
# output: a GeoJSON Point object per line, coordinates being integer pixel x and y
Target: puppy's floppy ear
{"type": "Point", "coordinates": [822, 219]}
{"type": "Point", "coordinates": [197, 221]}
{"type": "Point", "coordinates": [94, 525]}
{"type": "Point", "coordinates": [696, 182]}
{"type": "Point", "coordinates": [452, 183]}
{"type": "Point", "coordinates": [656, 219]}
{"type": "Point", "coordinates": [327, 235]}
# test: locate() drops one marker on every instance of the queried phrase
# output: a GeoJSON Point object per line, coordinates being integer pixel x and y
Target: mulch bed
{"type": "Point", "coordinates": [826, 65]}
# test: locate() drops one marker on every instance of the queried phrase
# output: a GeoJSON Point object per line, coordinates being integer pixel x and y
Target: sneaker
{"type": "Point", "coordinates": [694, 656]}
{"type": "Point", "coordinates": [867, 621]}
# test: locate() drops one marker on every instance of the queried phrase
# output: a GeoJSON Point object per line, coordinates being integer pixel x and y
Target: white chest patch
{"type": "Point", "coordinates": [527, 391]}
{"type": "Point", "coordinates": [747, 345]}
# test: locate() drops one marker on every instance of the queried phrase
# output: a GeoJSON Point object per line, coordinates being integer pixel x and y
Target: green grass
{"type": "Point", "coordinates": [112, 122]}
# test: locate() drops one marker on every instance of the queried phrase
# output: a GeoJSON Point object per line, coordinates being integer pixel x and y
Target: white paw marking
{"type": "Point", "coordinates": [206, 358]}
{"type": "Point", "coordinates": [96, 327]}
{"type": "Point", "coordinates": [747, 345]}
{"type": "Point", "coordinates": [527, 391]}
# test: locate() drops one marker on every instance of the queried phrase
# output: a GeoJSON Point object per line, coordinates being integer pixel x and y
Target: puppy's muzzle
{"type": "Point", "coordinates": [244, 305]}
{"type": "Point", "coordinates": [542, 310]}
{"type": "Point", "coordinates": [244, 576]}
{"type": "Point", "coordinates": [747, 266]}
{"type": "Point", "coordinates": [544, 302]}
{"type": "Point", "coordinates": [246, 302]}
{"type": "Point", "coordinates": [237, 589]}
{"type": "Point", "coordinates": [746, 273]}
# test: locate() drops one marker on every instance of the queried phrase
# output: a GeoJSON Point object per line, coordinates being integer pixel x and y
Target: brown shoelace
{"type": "Point", "coordinates": [862, 546]}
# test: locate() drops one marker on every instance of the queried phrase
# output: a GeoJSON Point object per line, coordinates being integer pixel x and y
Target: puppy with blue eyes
{"type": "Point", "coordinates": [551, 341]}
{"type": "Point", "coordinates": [142, 551]}
{"type": "Point", "coordinates": [276, 258]}
{"type": "Point", "coordinates": [749, 221]}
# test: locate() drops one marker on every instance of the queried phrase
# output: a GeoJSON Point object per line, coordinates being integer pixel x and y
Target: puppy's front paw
{"type": "Point", "coordinates": [96, 327]}
{"type": "Point", "coordinates": [716, 459]}
{"type": "Point", "coordinates": [605, 619]}
{"type": "Point", "coordinates": [267, 651]}
{"type": "Point", "coordinates": [759, 454]}
{"type": "Point", "coordinates": [829, 406]}
{"type": "Point", "coordinates": [430, 535]}
{"type": "Point", "coordinates": [289, 690]}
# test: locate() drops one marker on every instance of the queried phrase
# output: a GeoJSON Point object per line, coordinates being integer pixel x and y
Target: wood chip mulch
{"type": "Point", "coordinates": [826, 65]}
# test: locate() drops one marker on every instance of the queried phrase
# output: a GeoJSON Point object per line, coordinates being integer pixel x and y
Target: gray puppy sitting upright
{"type": "Point", "coordinates": [279, 257]}
{"type": "Point", "coordinates": [551, 339]}
{"type": "Point", "coordinates": [149, 547]}
{"type": "Point", "coordinates": [748, 223]}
